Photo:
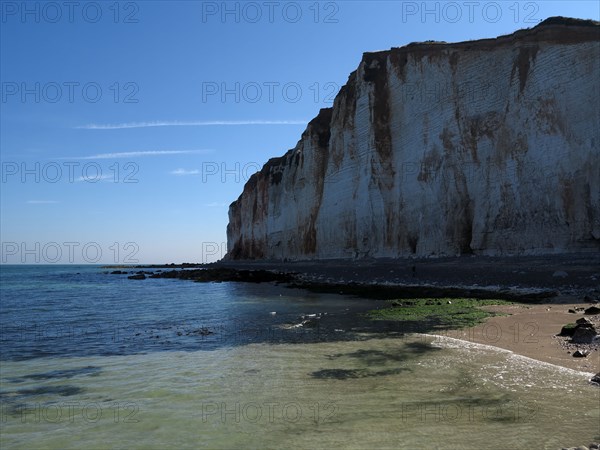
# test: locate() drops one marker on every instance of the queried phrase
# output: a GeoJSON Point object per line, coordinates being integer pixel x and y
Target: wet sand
{"type": "Point", "coordinates": [530, 330]}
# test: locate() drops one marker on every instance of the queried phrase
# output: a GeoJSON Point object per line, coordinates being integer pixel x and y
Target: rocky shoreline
{"type": "Point", "coordinates": [572, 277]}
{"type": "Point", "coordinates": [550, 291]}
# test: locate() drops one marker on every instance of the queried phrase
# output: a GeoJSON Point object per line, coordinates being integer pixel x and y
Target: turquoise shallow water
{"type": "Point", "coordinates": [256, 390]}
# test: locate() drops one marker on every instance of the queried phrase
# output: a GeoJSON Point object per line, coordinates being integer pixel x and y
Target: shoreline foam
{"type": "Point", "coordinates": [468, 344]}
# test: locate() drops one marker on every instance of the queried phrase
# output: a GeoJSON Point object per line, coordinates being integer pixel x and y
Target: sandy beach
{"type": "Point", "coordinates": [530, 330]}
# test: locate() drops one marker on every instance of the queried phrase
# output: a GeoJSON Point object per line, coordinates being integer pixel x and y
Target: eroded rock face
{"type": "Point", "coordinates": [487, 147]}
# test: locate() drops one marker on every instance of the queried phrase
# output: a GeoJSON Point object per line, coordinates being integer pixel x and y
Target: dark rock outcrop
{"type": "Point", "coordinates": [568, 330]}
{"type": "Point", "coordinates": [584, 335]}
{"type": "Point", "coordinates": [139, 276]}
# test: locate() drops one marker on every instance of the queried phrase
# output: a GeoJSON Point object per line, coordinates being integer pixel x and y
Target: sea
{"type": "Point", "coordinates": [93, 360]}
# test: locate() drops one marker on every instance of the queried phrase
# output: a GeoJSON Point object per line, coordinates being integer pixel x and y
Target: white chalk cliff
{"type": "Point", "coordinates": [483, 147]}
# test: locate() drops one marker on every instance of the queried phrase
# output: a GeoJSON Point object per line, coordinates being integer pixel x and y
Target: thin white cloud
{"type": "Point", "coordinates": [142, 153]}
{"type": "Point", "coordinates": [41, 202]}
{"type": "Point", "coordinates": [196, 123]}
{"type": "Point", "coordinates": [182, 172]}
{"type": "Point", "coordinates": [95, 179]}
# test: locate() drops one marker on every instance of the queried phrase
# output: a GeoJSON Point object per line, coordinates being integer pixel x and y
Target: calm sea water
{"type": "Point", "coordinates": [92, 360]}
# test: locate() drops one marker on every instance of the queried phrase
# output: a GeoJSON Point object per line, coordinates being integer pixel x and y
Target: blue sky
{"type": "Point", "coordinates": [127, 128]}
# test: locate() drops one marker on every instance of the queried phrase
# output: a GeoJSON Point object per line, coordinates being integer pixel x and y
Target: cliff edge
{"type": "Point", "coordinates": [482, 147]}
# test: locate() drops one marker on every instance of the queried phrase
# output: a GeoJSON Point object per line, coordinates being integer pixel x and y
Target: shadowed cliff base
{"type": "Point", "coordinates": [568, 277]}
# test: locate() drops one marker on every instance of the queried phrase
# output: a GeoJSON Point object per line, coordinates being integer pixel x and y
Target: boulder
{"type": "Point", "coordinates": [596, 378]}
{"type": "Point", "coordinates": [592, 310]}
{"type": "Point", "coordinates": [583, 335]}
{"type": "Point", "coordinates": [137, 277]}
{"type": "Point", "coordinates": [581, 353]}
{"type": "Point", "coordinates": [568, 330]}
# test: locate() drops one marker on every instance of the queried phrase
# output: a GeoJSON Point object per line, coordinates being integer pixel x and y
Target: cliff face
{"type": "Point", "coordinates": [486, 147]}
